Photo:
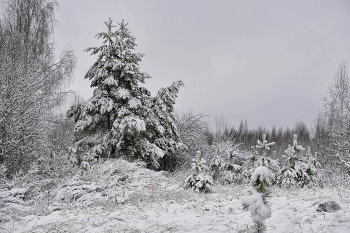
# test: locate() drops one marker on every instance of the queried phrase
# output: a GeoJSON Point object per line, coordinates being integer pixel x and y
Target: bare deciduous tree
{"type": "Point", "coordinates": [32, 79]}
{"type": "Point", "coordinates": [337, 116]}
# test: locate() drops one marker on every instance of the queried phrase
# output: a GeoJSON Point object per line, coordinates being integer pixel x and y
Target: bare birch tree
{"type": "Point", "coordinates": [32, 79]}
{"type": "Point", "coordinates": [337, 114]}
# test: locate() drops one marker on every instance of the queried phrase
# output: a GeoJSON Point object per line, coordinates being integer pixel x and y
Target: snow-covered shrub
{"type": "Point", "coordinates": [55, 165]}
{"type": "Point", "coordinates": [255, 196]}
{"type": "Point", "coordinates": [298, 170]}
{"type": "Point", "coordinates": [198, 181]}
{"type": "Point", "coordinates": [191, 129]}
{"type": "Point", "coordinates": [79, 153]}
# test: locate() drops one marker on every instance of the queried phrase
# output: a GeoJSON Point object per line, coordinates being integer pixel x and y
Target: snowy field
{"type": "Point", "coordinates": [117, 196]}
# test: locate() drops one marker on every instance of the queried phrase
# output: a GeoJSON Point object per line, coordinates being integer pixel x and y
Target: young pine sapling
{"type": "Point", "coordinates": [255, 197]}
{"type": "Point", "coordinates": [258, 157]}
{"type": "Point", "coordinates": [232, 169]}
{"type": "Point", "coordinates": [217, 165]}
{"type": "Point", "coordinates": [198, 181]}
{"type": "Point", "coordinates": [298, 169]}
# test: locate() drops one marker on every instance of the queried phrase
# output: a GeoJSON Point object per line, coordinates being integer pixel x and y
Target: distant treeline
{"type": "Point", "coordinates": [248, 137]}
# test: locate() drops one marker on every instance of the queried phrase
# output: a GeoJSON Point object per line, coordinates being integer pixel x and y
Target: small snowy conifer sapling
{"type": "Point", "coordinates": [225, 171]}
{"type": "Point", "coordinates": [198, 181]}
{"type": "Point", "coordinates": [311, 166]}
{"type": "Point", "coordinates": [217, 165]}
{"type": "Point", "coordinates": [258, 157]}
{"type": "Point", "coordinates": [264, 160]}
{"type": "Point", "coordinates": [255, 197]}
{"type": "Point", "coordinates": [232, 169]}
{"type": "Point", "coordinates": [297, 170]}
{"type": "Point", "coordinates": [250, 164]}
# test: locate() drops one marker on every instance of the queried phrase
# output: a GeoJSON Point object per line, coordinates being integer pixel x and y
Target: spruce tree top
{"type": "Point", "coordinates": [295, 149]}
{"type": "Point", "coordinates": [116, 64]}
{"type": "Point", "coordinates": [264, 145]}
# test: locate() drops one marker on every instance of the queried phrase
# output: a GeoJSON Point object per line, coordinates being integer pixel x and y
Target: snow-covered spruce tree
{"type": "Point", "coordinates": [198, 181]}
{"type": "Point", "coordinates": [255, 197]}
{"type": "Point", "coordinates": [122, 119]}
{"type": "Point", "coordinates": [297, 170]}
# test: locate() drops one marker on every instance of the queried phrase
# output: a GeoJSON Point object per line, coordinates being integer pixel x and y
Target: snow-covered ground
{"type": "Point", "coordinates": [123, 197]}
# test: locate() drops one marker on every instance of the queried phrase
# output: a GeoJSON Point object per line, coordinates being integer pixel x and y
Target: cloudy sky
{"type": "Point", "coordinates": [269, 62]}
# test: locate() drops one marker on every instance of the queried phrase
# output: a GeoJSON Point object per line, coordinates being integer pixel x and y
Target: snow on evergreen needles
{"type": "Point", "coordinates": [298, 170]}
{"type": "Point", "coordinates": [258, 157]}
{"type": "Point", "coordinates": [198, 181]}
{"type": "Point", "coordinates": [122, 118]}
{"type": "Point", "coordinates": [255, 197]}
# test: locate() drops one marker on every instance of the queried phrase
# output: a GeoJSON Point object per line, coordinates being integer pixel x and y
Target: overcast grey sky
{"type": "Point", "coordinates": [269, 62]}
